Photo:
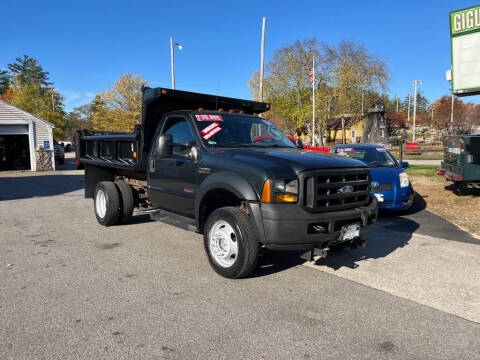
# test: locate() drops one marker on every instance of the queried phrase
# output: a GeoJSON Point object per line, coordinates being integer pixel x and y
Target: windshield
{"type": "Point", "coordinates": [231, 130]}
{"type": "Point", "coordinates": [373, 157]}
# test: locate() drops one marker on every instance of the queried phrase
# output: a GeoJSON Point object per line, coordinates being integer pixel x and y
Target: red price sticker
{"type": "Point", "coordinates": [205, 117]}
{"type": "Point", "coordinates": [209, 128]}
{"type": "Point", "coordinates": [211, 133]}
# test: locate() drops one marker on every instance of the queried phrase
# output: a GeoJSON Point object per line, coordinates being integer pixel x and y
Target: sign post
{"type": "Point", "coordinates": [465, 41]}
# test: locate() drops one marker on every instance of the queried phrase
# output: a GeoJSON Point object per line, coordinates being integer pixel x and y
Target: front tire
{"type": "Point", "coordinates": [231, 243]}
{"type": "Point", "coordinates": [106, 203]}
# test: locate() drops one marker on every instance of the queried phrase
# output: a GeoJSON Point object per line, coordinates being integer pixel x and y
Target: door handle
{"type": "Point", "coordinates": [152, 165]}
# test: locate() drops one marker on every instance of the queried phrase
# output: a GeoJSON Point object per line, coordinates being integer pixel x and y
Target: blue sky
{"type": "Point", "coordinates": [86, 45]}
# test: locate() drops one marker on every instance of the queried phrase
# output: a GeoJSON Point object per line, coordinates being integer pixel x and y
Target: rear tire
{"type": "Point", "coordinates": [106, 203]}
{"type": "Point", "coordinates": [127, 201]}
{"type": "Point", "coordinates": [231, 243]}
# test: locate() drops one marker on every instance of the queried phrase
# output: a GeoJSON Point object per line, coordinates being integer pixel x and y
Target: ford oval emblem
{"type": "Point", "coordinates": [345, 189]}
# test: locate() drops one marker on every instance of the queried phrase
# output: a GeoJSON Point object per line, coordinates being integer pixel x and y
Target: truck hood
{"type": "Point", "coordinates": [289, 161]}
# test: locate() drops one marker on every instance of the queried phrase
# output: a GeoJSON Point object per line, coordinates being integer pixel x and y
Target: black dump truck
{"type": "Point", "coordinates": [217, 166]}
{"type": "Point", "coordinates": [461, 161]}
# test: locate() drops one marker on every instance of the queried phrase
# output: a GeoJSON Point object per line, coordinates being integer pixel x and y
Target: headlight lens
{"type": "Point", "coordinates": [404, 181]}
{"type": "Point", "coordinates": [285, 191]}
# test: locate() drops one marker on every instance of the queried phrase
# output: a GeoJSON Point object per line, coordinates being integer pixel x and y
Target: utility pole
{"type": "Point", "coordinates": [53, 102]}
{"type": "Point", "coordinates": [415, 84]}
{"type": "Point", "coordinates": [409, 95]}
{"type": "Point", "coordinates": [397, 104]}
{"type": "Point", "coordinates": [313, 101]}
{"type": "Point", "coordinates": [362, 102]}
{"type": "Point", "coordinates": [262, 54]}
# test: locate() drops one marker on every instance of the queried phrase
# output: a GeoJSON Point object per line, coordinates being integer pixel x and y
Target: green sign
{"type": "Point", "coordinates": [465, 21]}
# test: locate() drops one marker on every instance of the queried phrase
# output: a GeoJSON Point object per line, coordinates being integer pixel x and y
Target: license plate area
{"type": "Point", "coordinates": [349, 232]}
{"type": "Point", "coordinates": [379, 197]}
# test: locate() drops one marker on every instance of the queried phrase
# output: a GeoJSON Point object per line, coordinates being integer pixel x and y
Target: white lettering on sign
{"type": "Point", "coordinates": [209, 128]}
{"type": "Point", "coordinates": [469, 17]}
{"type": "Point", "coordinates": [211, 133]}
{"type": "Point", "coordinates": [457, 25]}
{"type": "Point", "coordinates": [205, 117]}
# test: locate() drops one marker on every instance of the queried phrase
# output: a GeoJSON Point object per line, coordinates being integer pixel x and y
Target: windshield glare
{"type": "Point", "coordinates": [373, 157]}
{"type": "Point", "coordinates": [231, 130]}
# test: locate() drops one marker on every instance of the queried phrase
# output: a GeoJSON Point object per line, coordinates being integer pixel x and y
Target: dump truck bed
{"type": "Point", "coordinates": [129, 152]}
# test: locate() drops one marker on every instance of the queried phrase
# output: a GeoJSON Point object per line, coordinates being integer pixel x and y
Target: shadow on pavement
{"type": "Point", "coordinates": [24, 187]}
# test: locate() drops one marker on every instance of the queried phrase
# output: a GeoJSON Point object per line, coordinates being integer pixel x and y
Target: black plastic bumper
{"type": "Point", "coordinates": [289, 227]}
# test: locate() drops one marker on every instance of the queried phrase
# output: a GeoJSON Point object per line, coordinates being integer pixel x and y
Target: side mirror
{"type": "Point", "coordinates": [404, 164]}
{"type": "Point", "coordinates": [299, 144]}
{"type": "Point", "coordinates": [164, 145]}
{"type": "Point", "coordinates": [193, 154]}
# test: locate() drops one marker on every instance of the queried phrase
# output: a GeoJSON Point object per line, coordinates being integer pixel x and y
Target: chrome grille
{"type": "Point", "coordinates": [336, 189]}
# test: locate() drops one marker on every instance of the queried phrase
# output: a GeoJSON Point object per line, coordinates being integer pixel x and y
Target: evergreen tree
{"type": "Point", "coordinates": [4, 81]}
{"type": "Point", "coordinates": [27, 71]}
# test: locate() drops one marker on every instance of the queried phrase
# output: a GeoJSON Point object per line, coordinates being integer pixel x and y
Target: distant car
{"type": "Point", "coordinates": [389, 181]}
{"type": "Point", "coordinates": [59, 152]}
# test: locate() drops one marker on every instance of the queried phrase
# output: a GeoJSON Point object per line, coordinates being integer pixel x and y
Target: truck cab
{"type": "Point", "coordinates": [238, 180]}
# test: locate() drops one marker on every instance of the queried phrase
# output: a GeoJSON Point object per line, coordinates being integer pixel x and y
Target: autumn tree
{"type": "Point", "coordinates": [119, 109]}
{"type": "Point", "coordinates": [343, 72]}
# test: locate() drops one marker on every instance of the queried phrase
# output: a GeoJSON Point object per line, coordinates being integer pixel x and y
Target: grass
{"type": "Point", "coordinates": [424, 156]}
{"type": "Point", "coordinates": [422, 170]}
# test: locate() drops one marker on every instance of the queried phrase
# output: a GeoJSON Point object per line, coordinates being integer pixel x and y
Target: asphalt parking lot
{"type": "Point", "coordinates": [72, 289]}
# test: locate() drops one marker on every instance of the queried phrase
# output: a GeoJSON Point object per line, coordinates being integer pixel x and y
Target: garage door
{"type": "Point", "coordinates": [14, 129]}
{"type": "Point", "coordinates": [14, 147]}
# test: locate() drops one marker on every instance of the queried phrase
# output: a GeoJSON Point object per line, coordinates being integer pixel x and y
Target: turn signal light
{"type": "Point", "coordinates": [134, 154]}
{"type": "Point", "coordinates": [267, 192]}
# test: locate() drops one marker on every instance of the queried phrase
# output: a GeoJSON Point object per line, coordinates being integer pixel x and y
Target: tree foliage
{"type": "Point", "coordinates": [119, 109]}
{"type": "Point", "coordinates": [4, 81]}
{"type": "Point", "coordinates": [27, 71]}
{"type": "Point", "coordinates": [343, 72]}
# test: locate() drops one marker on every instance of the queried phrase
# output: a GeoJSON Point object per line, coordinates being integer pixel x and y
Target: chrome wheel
{"type": "Point", "coordinates": [101, 203]}
{"type": "Point", "coordinates": [223, 243]}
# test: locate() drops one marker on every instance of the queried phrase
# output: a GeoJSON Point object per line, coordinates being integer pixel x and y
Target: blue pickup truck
{"type": "Point", "coordinates": [389, 181]}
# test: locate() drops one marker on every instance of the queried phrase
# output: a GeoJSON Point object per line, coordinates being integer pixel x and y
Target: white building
{"type": "Point", "coordinates": [22, 139]}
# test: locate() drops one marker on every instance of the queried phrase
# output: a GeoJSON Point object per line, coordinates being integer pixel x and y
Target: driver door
{"type": "Point", "coordinates": [172, 180]}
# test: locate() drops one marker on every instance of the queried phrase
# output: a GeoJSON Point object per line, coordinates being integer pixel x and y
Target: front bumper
{"type": "Point", "coordinates": [289, 227]}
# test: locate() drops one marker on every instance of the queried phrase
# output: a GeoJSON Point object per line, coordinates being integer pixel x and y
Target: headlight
{"type": "Point", "coordinates": [285, 191]}
{"type": "Point", "coordinates": [404, 182]}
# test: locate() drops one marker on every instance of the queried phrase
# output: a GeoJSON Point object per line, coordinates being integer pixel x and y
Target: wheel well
{"type": "Point", "coordinates": [215, 199]}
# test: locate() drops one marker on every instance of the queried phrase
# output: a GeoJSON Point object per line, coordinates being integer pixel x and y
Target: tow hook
{"type": "Point", "coordinates": [357, 243]}
{"type": "Point", "coordinates": [322, 253]}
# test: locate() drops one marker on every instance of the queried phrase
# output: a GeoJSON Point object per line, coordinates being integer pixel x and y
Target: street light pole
{"type": "Point", "coordinates": [172, 62]}
{"type": "Point", "coordinates": [262, 54]}
{"type": "Point", "coordinates": [415, 84]}
{"type": "Point", "coordinates": [172, 58]}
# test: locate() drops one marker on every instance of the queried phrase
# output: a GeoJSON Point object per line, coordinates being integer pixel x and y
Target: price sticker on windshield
{"type": "Point", "coordinates": [345, 149]}
{"type": "Point", "coordinates": [381, 150]}
{"type": "Point", "coordinates": [211, 133]}
{"type": "Point", "coordinates": [209, 128]}
{"type": "Point", "coordinates": [206, 117]}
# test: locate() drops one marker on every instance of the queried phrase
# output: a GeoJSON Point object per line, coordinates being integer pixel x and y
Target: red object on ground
{"type": "Point", "coordinates": [411, 146]}
{"type": "Point", "coordinates": [440, 172]}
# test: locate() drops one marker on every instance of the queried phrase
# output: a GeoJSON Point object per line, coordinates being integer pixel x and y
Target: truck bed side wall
{"type": "Point", "coordinates": [95, 174]}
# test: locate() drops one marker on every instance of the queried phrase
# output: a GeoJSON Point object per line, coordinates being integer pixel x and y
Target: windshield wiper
{"type": "Point", "coordinates": [234, 144]}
